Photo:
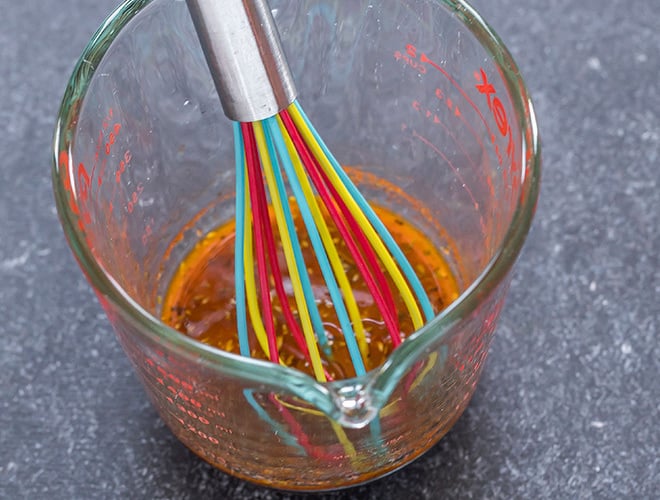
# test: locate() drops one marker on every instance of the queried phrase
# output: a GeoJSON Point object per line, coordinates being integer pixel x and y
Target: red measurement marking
{"type": "Point", "coordinates": [412, 52]}
{"type": "Point", "coordinates": [213, 411]}
{"type": "Point", "coordinates": [448, 130]}
{"type": "Point", "coordinates": [97, 152]}
{"type": "Point", "coordinates": [170, 378]}
{"type": "Point", "coordinates": [491, 188]}
{"type": "Point", "coordinates": [64, 162]}
{"type": "Point", "coordinates": [495, 106]}
{"type": "Point", "coordinates": [112, 137]}
{"type": "Point", "coordinates": [148, 231]}
{"type": "Point", "coordinates": [123, 163]}
{"type": "Point", "coordinates": [106, 121]}
{"type": "Point", "coordinates": [448, 102]}
{"type": "Point", "coordinates": [499, 115]}
{"type": "Point", "coordinates": [457, 173]}
{"type": "Point", "coordinates": [425, 59]}
{"type": "Point", "coordinates": [192, 414]}
{"type": "Point", "coordinates": [113, 130]}
{"type": "Point", "coordinates": [199, 432]}
{"type": "Point", "coordinates": [80, 182]}
{"type": "Point", "coordinates": [409, 59]}
{"type": "Point", "coordinates": [441, 96]}
{"type": "Point", "coordinates": [133, 198]}
{"type": "Point", "coordinates": [84, 182]}
{"type": "Point", "coordinates": [515, 183]}
{"type": "Point", "coordinates": [224, 429]}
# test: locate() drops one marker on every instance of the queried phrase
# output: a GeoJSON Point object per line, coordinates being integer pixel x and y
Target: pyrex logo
{"type": "Point", "coordinates": [496, 107]}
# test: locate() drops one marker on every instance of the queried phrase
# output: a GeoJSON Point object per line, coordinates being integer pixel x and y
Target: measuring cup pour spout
{"type": "Point", "coordinates": [355, 406]}
{"type": "Point", "coordinates": [355, 403]}
{"type": "Point", "coordinates": [351, 403]}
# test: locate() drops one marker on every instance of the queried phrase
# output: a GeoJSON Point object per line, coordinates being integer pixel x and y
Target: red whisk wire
{"type": "Point", "coordinates": [363, 243]}
{"type": "Point", "coordinates": [297, 429]}
{"type": "Point", "coordinates": [261, 206]}
{"type": "Point", "coordinates": [381, 290]}
{"type": "Point", "coordinates": [277, 275]}
{"type": "Point", "coordinates": [254, 181]}
{"type": "Point", "coordinates": [341, 220]}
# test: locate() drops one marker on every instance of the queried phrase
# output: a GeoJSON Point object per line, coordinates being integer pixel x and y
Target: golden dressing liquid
{"type": "Point", "coordinates": [200, 301]}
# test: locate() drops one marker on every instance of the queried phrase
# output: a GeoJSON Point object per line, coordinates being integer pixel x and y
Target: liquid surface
{"type": "Point", "coordinates": [200, 301]}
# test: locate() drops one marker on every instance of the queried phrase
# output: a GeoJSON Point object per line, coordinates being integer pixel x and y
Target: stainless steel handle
{"type": "Point", "coordinates": [243, 50]}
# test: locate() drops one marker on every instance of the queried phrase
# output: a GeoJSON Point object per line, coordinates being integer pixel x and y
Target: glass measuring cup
{"type": "Point", "coordinates": [420, 97]}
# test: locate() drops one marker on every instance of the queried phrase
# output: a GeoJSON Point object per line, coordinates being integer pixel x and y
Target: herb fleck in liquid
{"type": "Point", "coordinates": [200, 301]}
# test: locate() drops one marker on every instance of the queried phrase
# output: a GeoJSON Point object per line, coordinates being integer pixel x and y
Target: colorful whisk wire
{"type": "Point", "coordinates": [287, 146]}
{"type": "Point", "coordinates": [282, 161]}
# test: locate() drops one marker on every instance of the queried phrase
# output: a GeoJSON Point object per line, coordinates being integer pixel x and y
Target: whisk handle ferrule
{"type": "Point", "coordinates": [245, 56]}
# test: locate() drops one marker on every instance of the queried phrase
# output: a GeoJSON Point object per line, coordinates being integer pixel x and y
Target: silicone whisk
{"type": "Point", "coordinates": [278, 152]}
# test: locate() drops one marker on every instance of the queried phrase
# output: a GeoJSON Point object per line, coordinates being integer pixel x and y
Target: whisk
{"type": "Point", "coordinates": [281, 160]}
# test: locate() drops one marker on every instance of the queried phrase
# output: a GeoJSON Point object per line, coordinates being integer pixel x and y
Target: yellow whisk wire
{"type": "Point", "coordinates": [287, 247]}
{"type": "Point", "coordinates": [381, 250]}
{"type": "Point", "coordinates": [250, 283]}
{"type": "Point", "coordinates": [326, 238]}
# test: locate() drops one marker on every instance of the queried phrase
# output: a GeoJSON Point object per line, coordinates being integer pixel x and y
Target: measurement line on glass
{"type": "Point", "coordinates": [80, 181]}
{"type": "Point", "coordinates": [484, 86]}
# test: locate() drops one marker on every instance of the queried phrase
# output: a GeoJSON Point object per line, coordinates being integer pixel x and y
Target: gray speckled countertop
{"type": "Point", "coordinates": [569, 404]}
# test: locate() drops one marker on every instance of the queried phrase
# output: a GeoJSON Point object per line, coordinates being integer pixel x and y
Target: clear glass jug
{"type": "Point", "coordinates": [420, 96]}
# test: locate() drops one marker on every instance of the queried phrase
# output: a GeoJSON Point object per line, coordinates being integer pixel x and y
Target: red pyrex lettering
{"type": "Point", "coordinates": [499, 114]}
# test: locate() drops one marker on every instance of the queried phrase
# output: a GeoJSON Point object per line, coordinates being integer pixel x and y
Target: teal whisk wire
{"type": "Point", "coordinates": [319, 249]}
{"type": "Point", "coordinates": [256, 93]}
{"type": "Point", "coordinates": [315, 316]}
{"type": "Point", "coordinates": [239, 267]}
{"type": "Point", "coordinates": [380, 228]}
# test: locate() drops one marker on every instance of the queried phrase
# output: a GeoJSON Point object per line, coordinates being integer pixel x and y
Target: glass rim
{"type": "Point", "coordinates": [263, 371]}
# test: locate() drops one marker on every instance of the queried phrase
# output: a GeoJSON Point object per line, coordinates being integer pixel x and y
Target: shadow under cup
{"type": "Point", "coordinates": [420, 97]}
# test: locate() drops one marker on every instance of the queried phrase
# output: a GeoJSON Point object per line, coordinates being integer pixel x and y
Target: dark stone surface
{"type": "Point", "coordinates": [569, 404]}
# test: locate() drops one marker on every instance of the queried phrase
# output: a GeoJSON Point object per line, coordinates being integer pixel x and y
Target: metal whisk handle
{"type": "Point", "coordinates": [245, 56]}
